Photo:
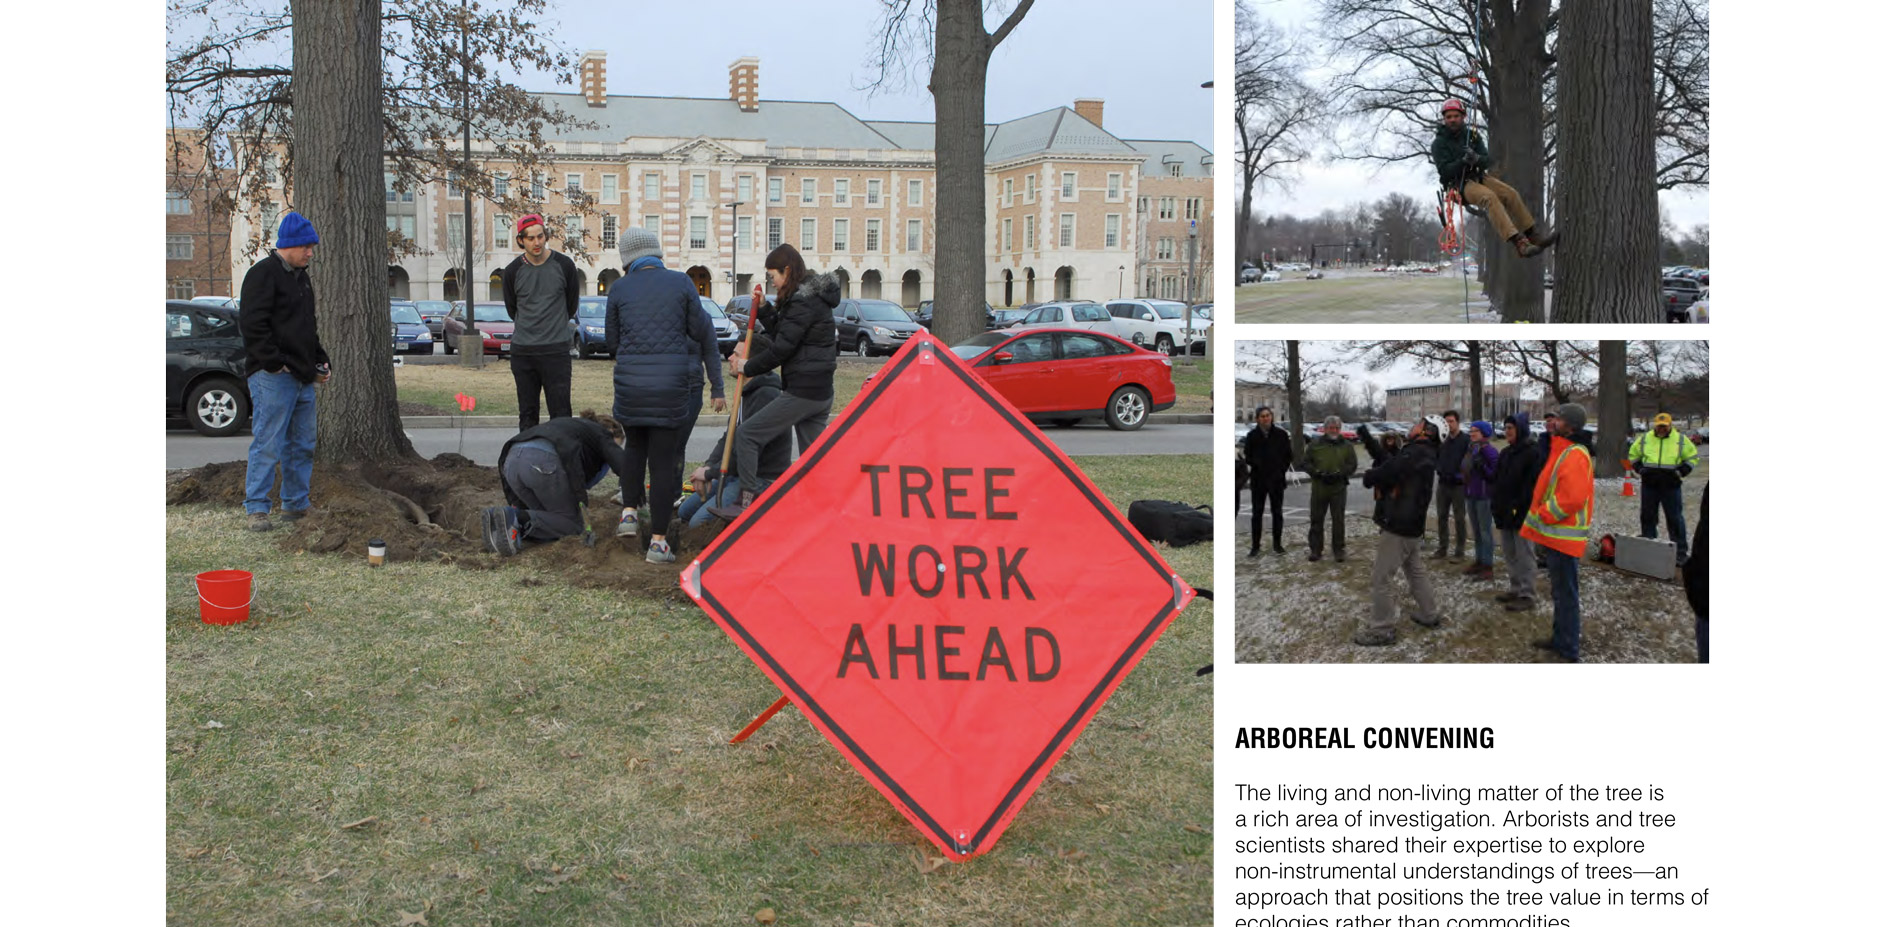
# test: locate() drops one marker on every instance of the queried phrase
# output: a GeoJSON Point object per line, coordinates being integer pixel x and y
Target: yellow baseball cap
{"type": "Point", "coordinates": [1662, 418]}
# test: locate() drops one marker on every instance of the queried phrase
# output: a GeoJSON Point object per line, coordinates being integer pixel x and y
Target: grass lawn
{"type": "Point", "coordinates": [499, 747]}
{"type": "Point", "coordinates": [435, 385]}
{"type": "Point", "coordinates": [1361, 296]}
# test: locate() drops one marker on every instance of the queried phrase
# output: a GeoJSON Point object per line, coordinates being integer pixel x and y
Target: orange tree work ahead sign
{"type": "Point", "coordinates": [942, 592]}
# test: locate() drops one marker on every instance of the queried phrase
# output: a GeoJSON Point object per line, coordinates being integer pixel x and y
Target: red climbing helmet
{"type": "Point", "coordinates": [1451, 104]}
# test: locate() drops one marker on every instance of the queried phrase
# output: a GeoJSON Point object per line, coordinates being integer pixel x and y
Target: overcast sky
{"type": "Point", "coordinates": [1406, 372]}
{"type": "Point", "coordinates": [1320, 185]}
{"type": "Point", "coordinates": [1145, 61]}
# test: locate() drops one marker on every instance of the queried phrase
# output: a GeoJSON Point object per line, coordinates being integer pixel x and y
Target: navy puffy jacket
{"type": "Point", "coordinates": [664, 348]}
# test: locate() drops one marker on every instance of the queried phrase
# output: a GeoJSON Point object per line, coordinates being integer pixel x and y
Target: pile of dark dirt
{"type": "Point", "coordinates": [431, 510]}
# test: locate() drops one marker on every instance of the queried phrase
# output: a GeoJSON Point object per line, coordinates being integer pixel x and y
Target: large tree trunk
{"type": "Point", "coordinates": [337, 128]}
{"type": "Point", "coordinates": [1295, 415]}
{"type": "Point", "coordinates": [1474, 371]}
{"type": "Point", "coordinates": [957, 81]}
{"type": "Point", "coordinates": [1613, 406]}
{"type": "Point", "coordinates": [1517, 141]}
{"type": "Point", "coordinates": [1606, 164]}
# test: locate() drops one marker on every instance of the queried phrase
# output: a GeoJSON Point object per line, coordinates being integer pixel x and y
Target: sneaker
{"type": "Point", "coordinates": [1376, 637]}
{"type": "Point", "coordinates": [289, 517]}
{"type": "Point", "coordinates": [1480, 574]}
{"type": "Point", "coordinates": [1521, 604]}
{"type": "Point", "coordinates": [1427, 621]}
{"type": "Point", "coordinates": [632, 524]}
{"type": "Point", "coordinates": [659, 551]}
{"type": "Point", "coordinates": [260, 521]}
{"type": "Point", "coordinates": [500, 530]}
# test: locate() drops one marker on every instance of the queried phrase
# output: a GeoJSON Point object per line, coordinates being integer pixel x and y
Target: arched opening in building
{"type": "Point", "coordinates": [1065, 282]}
{"type": "Point", "coordinates": [913, 288]}
{"type": "Point", "coordinates": [701, 277]}
{"type": "Point", "coordinates": [872, 285]}
{"type": "Point", "coordinates": [398, 282]}
{"type": "Point", "coordinates": [451, 285]}
{"type": "Point", "coordinates": [1009, 288]}
{"type": "Point", "coordinates": [844, 282]}
{"type": "Point", "coordinates": [1029, 284]}
{"type": "Point", "coordinates": [607, 278]}
{"type": "Point", "coordinates": [494, 287]}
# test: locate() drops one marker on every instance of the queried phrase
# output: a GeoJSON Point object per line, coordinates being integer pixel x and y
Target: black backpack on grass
{"type": "Point", "coordinates": [1175, 524]}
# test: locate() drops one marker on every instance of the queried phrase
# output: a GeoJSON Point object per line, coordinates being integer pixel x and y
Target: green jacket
{"type": "Point", "coordinates": [1448, 153]}
{"type": "Point", "coordinates": [1330, 461]}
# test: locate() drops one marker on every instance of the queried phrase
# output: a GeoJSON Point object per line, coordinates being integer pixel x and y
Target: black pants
{"type": "Point", "coordinates": [535, 373]}
{"type": "Point", "coordinates": [652, 451]}
{"type": "Point", "coordinates": [542, 486]}
{"type": "Point", "coordinates": [1264, 492]}
{"type": "Point", "coordinates": [1327, 498]}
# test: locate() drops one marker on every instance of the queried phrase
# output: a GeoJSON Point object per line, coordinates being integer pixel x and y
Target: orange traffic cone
{"type": "Point", "coordinates": [1629, 486]}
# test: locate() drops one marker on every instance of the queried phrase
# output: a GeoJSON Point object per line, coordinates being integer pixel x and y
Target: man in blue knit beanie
{"type": "Point", "coordinates": [277, 314]}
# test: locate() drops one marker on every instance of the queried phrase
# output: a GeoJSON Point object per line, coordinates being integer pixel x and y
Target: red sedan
{"type": "Point", "coordinates": [1064, 375]}
{"type": "Point", "coordinates": [491, 319]}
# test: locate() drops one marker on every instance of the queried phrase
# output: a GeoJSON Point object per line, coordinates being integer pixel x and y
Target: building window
{"type": "Point", "coordinates": [610, 188]}
{"type": "Point", "coordinates": [874, 193]}
{"type": "Point", "coordinates": [455, 233]}
{"type": "Point", "coordinates": [1029, 233]}
{"type": "Point", "coordinates": [177, 204]}
{"type": "Point", "coordinates": [1009, 192]}
{"type": "Point", "coordinates": [774, 233]}
{"type": "Point", "coordinates": [178, 247]}
{"type": "Point", "coordinates": [1065, 234]}
{"type": "Point", "coordinates": [1164, 249]}
{"type": "Point", "coordinates": [916, 193]}
{"type": "Point", "coordinates": [696, 233]}
{"type": "Point", "coordinates": [1112, 231]}
{"type": "Point", "coordinates": [1194, 207]}
{"type": "Point", "coordinates": [1167, 209]}
{"type": "Point", "coordinates": [745, 188]}
{"type": "Point", "coordinates": [808, 190]}
{"type": "Point", "coordinates": [1068, 185]}
{"type": "Point", "coordinates": [1114, 188]}
{"type": "Point", "coordinates": [184, 289]}
{"type": "Point", "coordinates": [573, 237]}
{"type": "Point", "coordinates": [652, 225]}
{"type": "Point", "coordinates": [504, 233]}
{"type": "Point", "coordinates": [538, 189]}
{"type": "Point", "coordinates": [501, 186]}
{"type": "Point", "coordinates": [652, 187]}
{"type": "Point", "coordinates": [1029, 188]}
{"type": "Point", "coordinates": [914, 235]}
{"type": "Point", "coordinates": [841, 193]}
{"type": "Point", "coordinates": [392, 195]}
{"type": "Point", "coordinates": [699, 187]}
{"type": "Point", "coordinates": [1174, 170]}
{"type": "Point", "coordinates": [1009, 234]}
{"type": "Point", "coordinates": [1141, 206]}
{"type": "Point", "coordinates": [873, 230]}
{"type": "Point", "coordinates": [573, 185]}
{"type": "Point", "coordinates": [742, 233]}
{"type": "Point", "coordinates": [775, 189]}
{"type": "Point", "coordinates": [403, 225]}
{"type": "Point", "coordinates": [609, 231]}
{"type": "Point", "coordinates": [807, 234]}
{"type": "Point", "coordinates": [841, 234]}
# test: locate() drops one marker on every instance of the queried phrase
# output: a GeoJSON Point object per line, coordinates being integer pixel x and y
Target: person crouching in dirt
{"type": "Point", "coordinates": [698, 508]}
{"type": "Point", "coordinates": [545, 474]}
{"type": "Point", "coordinates": [1463, 162]}
{"type": "Point", "coordinates": [1402, 484]}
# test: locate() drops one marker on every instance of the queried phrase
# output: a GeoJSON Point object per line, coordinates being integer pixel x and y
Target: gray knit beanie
{"type": "Point", "coordinates": [636, 243]}
{"type": "Point", "coordinates": [1572, 413]}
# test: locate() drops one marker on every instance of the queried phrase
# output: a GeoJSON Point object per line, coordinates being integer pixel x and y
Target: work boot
{"type": "Point", "coordinates": [1339, 556]}
{"type": "Point", "coordinates": [1520, 604]}
{"type": "Point", "coordinates": [1478, 573]}
{"type": "Point", "coordinates": [1381, 637]}
{"type": "Point", "coordinates": [1550, 644]}
{"type": "Point", "coordinates": [1255, 552]}
{"type": "Point", "coordinates": [659, 551]}
{"type": "Point", "coordinates": [260, 521]}
{"type": "Point", "coordinates": [289, 517]}
{"type": "Point", "coordinates": [1545, 242]}
{"type": "Point", "coordinates": [1467, 571]}
{"type": "Point", "coordinates": [1525, 248]}
{"type": "Point", "coordinates": [1438, 554]}
{"type": "Point", "coordinates": [1277, 548]}
{"type": "Point", "coordinates": [1313, 557]}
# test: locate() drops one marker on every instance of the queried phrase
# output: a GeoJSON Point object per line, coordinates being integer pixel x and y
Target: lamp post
{"type": "Point", "coordinates": [734, 272]}
{"type": "Point", "coordinates": [1118, 279]}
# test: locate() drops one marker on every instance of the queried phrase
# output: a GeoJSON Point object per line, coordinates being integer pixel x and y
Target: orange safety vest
{"type": "Point", "coordinates": [1560, 505]}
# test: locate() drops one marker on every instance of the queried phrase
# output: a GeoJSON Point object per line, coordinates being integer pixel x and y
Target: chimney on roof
{"type": "Point", "coordinates": [1090, 110]}
{"type": "Point", "coordinates": [745, 83]}
{"type": "Point", "coordinates": [594, 77]}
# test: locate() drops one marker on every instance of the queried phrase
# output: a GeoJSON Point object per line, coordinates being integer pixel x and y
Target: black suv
{"type": "Point", "coordinates": [1679, 293]}
{"type": "Point", "coordinates": [926, 309]}
{"type": "Point", "coordinates": [205, 369]}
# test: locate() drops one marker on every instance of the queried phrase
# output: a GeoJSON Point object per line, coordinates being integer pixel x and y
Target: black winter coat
{"type": "Point", "coordinates": [1448, 155]}
{"type": "Point", "coordinates": [1518, 467]}
{"type": "Point", "coordinates": [583, 446]}
{"type": "Point", "coordinates": [802, 339]}
{"type": "Point", "coordinates": [1451, 459]}
{"type": "Point", "coordinates": [1695, 573]}
{"type": "Point", "coordinates": [1269, 455]}
{"type": "Point", "coordinates": [1404, 484]}
{"type": "Point", "coordinates": [277, 314]}
{"type": "Point", "coordinates": [664, 349]}
{"type": "Point", "coordinates": [776, 456]}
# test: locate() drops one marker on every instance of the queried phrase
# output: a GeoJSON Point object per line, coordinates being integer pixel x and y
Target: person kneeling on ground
{"type": "Point", "coordinates": [774, 458]}
{"type": "Point", "coordinates": [1403, 482]}
{"type": "Point", "coordinates": [1462, 160]}
{"type": "Point", "coordinates": [545, 474]}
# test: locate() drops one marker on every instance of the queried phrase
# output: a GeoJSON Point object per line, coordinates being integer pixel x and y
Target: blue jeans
{"type": "Point", "coordinates": [283, 435]}
{"type": "Point", "coordinates": [1670, 500]}
{"type": "Point", "coordinates": [1566, 623]}
{"type": "Point", "coordinates": [697, 509]}
{"type": "Point", "coordinates": [1483, 546]}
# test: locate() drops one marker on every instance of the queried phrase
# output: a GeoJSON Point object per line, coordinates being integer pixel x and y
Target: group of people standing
{"type": "Point", "coordinates": [1529, 503]}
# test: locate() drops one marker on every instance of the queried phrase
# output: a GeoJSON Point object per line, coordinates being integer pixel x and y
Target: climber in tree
{"type": "Point", "coordinates": [1462, 159]}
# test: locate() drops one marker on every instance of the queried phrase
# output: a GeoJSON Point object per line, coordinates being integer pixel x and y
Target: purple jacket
{"type": "Point", "coordinates": [1480, 468]}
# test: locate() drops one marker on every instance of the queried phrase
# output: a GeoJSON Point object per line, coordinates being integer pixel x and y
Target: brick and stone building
{"type": "Point", "coordinates": [197, 221]}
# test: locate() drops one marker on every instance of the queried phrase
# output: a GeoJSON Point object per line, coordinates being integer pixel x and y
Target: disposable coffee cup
{"type": "Point", "coordinates": [377, 551]}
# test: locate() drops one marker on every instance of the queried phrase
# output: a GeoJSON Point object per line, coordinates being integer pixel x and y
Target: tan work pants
{"type": "Point", "coordinates": [1501, 204]}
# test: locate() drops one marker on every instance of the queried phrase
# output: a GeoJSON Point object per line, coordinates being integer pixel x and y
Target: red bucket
{"type": "Point", "coordinates": [224, 596]}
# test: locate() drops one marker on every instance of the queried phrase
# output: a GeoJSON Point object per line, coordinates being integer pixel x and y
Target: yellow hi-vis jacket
{"type": "Point", "coordinates": [1560, 505]}
{"type": "Point", "coordinates": [1655, 452]}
